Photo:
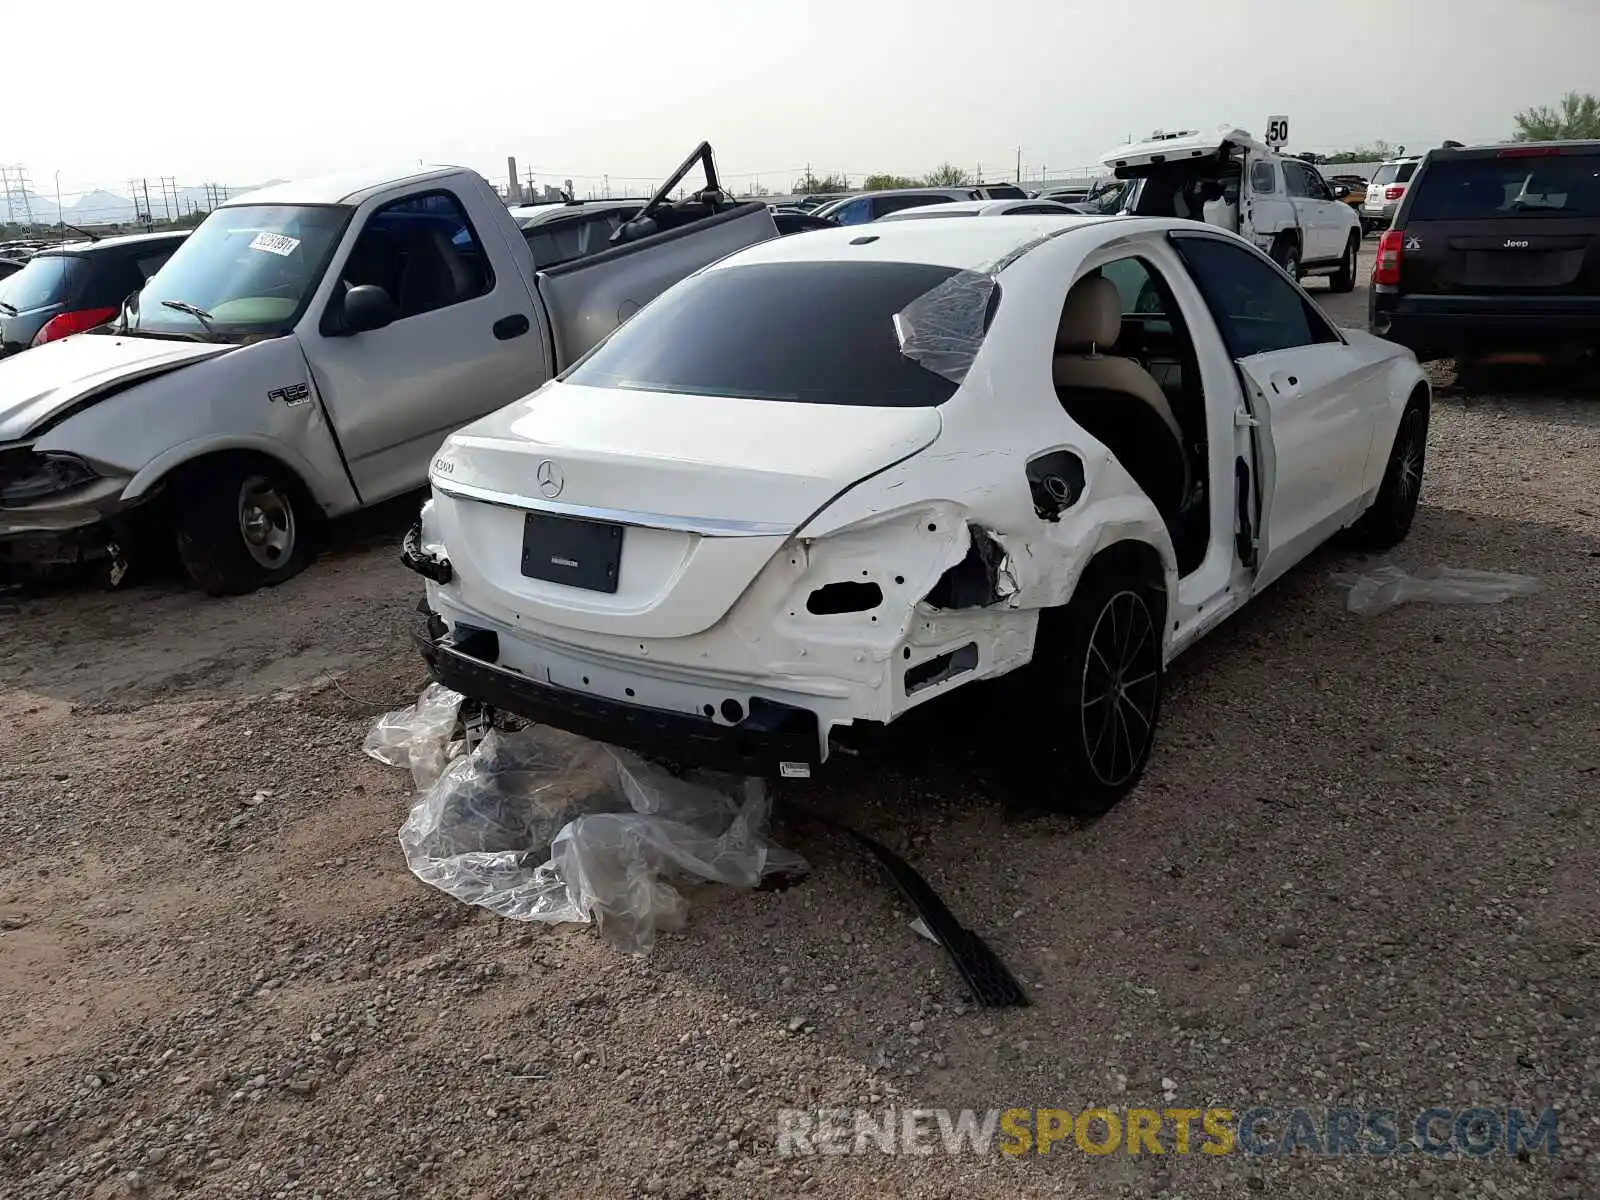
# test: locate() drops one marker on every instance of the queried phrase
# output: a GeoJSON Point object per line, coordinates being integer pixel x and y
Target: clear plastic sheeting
{"type": "Point", "coordinates": [1389, 587]}
{"type": "Point", "coordinates": [943, 328]}
{"type": "Point", "coordinates": [417, 738]}
{"type": "Point", "coordinates": [541, 825]}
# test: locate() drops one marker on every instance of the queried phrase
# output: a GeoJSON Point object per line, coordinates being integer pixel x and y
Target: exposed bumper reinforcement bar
{"type": "Point", "coordinates": [772, 740]}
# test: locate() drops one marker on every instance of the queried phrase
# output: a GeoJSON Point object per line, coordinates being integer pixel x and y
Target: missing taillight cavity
{"type": "Point", "coordinates": [835, 598]}
{"type": "Point", "coordinates": [981, 578]}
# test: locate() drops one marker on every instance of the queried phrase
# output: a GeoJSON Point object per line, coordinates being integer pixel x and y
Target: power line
{"type": "Point", "coordinates": [19, 202]}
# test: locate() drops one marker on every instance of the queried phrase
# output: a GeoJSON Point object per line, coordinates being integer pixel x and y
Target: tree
{"type": "Point", "coordinates": [884, 183]}
{"type": "Point", "coordinates": [1577, 116]}
{"type": "Point", "coordinates": [946, 174]}
{"type": "Point", "coordinates": [808, 184]}
{"type": "Point", "coordinates": [1378, 151]}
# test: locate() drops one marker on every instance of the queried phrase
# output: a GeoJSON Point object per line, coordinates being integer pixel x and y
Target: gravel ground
{"type": "Point", "coordinates": [1361, 870]}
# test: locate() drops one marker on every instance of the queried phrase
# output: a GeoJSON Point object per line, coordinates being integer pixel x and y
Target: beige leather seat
{"type": "Point", "coordinates": [1091, 319]}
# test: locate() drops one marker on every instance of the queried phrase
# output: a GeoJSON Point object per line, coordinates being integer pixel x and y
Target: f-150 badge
{"type": "Point", "coordinates": [293, 396]}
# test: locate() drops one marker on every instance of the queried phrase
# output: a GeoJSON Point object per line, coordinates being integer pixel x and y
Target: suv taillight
{"type": "Point", "coordinates": [68, 323]}
{"type": "Point", "coordinates": [1386, 271]}
{"type": "Point", "coordinates": [1394, 191]}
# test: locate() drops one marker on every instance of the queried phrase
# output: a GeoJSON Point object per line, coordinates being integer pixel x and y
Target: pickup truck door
{"type": "Point", "coordinates": [1265, 207]}
{"type": "Point", "coordinates": [1302, 400]}
{"type": "Point", "coordinates": [1322, 226]}
{"type": "Point", "coordinates": [467, 339]}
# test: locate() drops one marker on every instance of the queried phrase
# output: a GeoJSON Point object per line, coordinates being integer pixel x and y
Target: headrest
{"type": "Point", "coordinates": [1091, 318]}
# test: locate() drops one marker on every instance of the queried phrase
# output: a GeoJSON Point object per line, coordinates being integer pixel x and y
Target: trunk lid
{"type": "Point", "coordinates": [1519, 221]}
{"type": "Point", "coordinates": [706, 489]}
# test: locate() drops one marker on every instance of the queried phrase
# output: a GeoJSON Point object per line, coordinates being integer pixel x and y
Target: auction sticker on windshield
{"type": "Point", "coordinates": [275, 243]}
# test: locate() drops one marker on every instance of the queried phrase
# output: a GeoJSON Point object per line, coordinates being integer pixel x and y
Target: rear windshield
{"type": "Point", "coordinates": [1394, 173]}
{"type": "Point", "coordinates": [1474, 189]}
{"type": "Point", "coordinates": [812, 332]}
{"type": "Point", "coordinates": [48, 279]}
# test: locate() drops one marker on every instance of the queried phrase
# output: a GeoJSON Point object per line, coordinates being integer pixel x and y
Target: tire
{"type": "Point", "coordinates": [241, 527]}
{"type": "Point", "coordinates": [1287, 255]}
{"type": "Point", "coordinates": [1344, 279]}
{"type": "Point", "coordinates": [1114, 620]}
{"type": "Point", "coordinates": [1388, 521]}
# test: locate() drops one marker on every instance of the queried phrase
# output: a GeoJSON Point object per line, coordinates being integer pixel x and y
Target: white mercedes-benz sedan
{"type": "Point", "coordinates": [833, 477]}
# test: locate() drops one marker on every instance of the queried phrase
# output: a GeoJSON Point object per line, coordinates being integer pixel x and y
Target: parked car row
{"type": "Point", "coordinates": [729, 496]}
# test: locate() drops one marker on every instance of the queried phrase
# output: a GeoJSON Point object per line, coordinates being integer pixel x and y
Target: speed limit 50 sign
{"type": "Point", "coordinates": [1277, 131]}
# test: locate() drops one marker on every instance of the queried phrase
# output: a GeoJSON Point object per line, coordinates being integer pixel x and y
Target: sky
{"type": "Point", "coordinates": [243, 92]}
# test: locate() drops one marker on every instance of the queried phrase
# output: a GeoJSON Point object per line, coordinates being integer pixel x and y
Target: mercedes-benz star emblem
{"type": "Point", "coordinates": [550, 481]}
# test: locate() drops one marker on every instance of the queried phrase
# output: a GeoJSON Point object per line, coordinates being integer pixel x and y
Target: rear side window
{"type": "Point", "coordinates": [889, 204]}
{"type": "Point", "coordinates": [47, 279]}
{"type": "Point", "coordinates": [1394, 173]}
{"type": "Point", "coordinates": [808, 332]}
{"type": "Point", "coordinates": [1477, 189]}
{"type": "Point", "coordinates": [856, 212]}
{"type": "Point", "coordinates": [109, 279]}
{"type": "Point", "coordinates": [1263, 178]}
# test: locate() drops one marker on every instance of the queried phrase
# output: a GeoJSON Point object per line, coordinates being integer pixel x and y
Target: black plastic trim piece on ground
{"type": "Point", "coordinates": [991, 983]}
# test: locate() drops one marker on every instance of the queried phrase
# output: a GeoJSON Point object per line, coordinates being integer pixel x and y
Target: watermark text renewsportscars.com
{"type": "Point", "coordinates": [1435, 1132]}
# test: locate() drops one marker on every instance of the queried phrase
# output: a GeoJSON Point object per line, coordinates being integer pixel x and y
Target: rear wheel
{"type": "Point", "coordinates": [1286, 253]}
{"type": "Point", "coordinates": [241, 527]}
{"type": "Point", "coordinates": [1389, 519]}
{"type": "Point", "coordinates": [1094, 695]}
{"type": "Point", "coordinates": [1344, 279]}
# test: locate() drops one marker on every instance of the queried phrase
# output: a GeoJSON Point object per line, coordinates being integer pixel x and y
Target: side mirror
{"type": "Point", "coordinates": [1340, 191]}
{"type": "Point", "coordinates": [368, 307]}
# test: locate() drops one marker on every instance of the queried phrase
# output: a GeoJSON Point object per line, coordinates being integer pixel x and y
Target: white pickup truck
{"type": "Point", "coordinates": [304, 354]}
{"type": "Point", "coordinates": [1281, 204]}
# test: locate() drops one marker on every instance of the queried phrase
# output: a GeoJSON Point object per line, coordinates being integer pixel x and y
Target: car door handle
{"type": "Point", "coordinates": [507, 328]}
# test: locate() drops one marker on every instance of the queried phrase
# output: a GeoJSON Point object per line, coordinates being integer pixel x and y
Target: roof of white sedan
{"type": "Point", "coordinates": [968, 208]}
{"type": "Point", "coordinates": [964, 245]}
{"type": "Point", "coordinates": [343, 187]}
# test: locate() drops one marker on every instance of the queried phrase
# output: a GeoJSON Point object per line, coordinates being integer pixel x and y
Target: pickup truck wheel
{"type": "Point", "coordinates": [1095, 695]}
{"type": "Point", "coordinates": [1387, 522]}
{"type": "Point", "coordinates": [1344, 279]}
{"type": "Point", "coordinates": [240, 529]}
{"type": "Point", "coordinates": [1287, 256]}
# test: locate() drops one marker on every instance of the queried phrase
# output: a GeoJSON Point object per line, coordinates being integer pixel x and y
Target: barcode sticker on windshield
{"type": "Point", "coordinates": [275, 243]}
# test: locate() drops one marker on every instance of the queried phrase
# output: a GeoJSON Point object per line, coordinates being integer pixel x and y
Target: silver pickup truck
{"type": "Point", "coordinates": [303, 355]}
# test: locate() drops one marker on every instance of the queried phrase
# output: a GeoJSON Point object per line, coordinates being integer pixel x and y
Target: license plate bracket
{"type": "Point", "coordinates": [574, 551]}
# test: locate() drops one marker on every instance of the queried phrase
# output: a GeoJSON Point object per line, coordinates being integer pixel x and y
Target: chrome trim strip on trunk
{"type": "Point", "coordinates": [704, 526]}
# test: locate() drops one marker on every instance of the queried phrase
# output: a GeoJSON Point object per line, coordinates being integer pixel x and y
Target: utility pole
{"type": "Point", "coordinates": [1019, 164]}
{"type": "Point", "coordinates": [979, 179]}
{"type": "Point", "coordinates": [149, 217]}
{"type": "Point", "coordinates": [528, 177]}
{"type": "Point", "coordinates": [169, 193]}
{"type": "Point", "coordinates": [14, 187]}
